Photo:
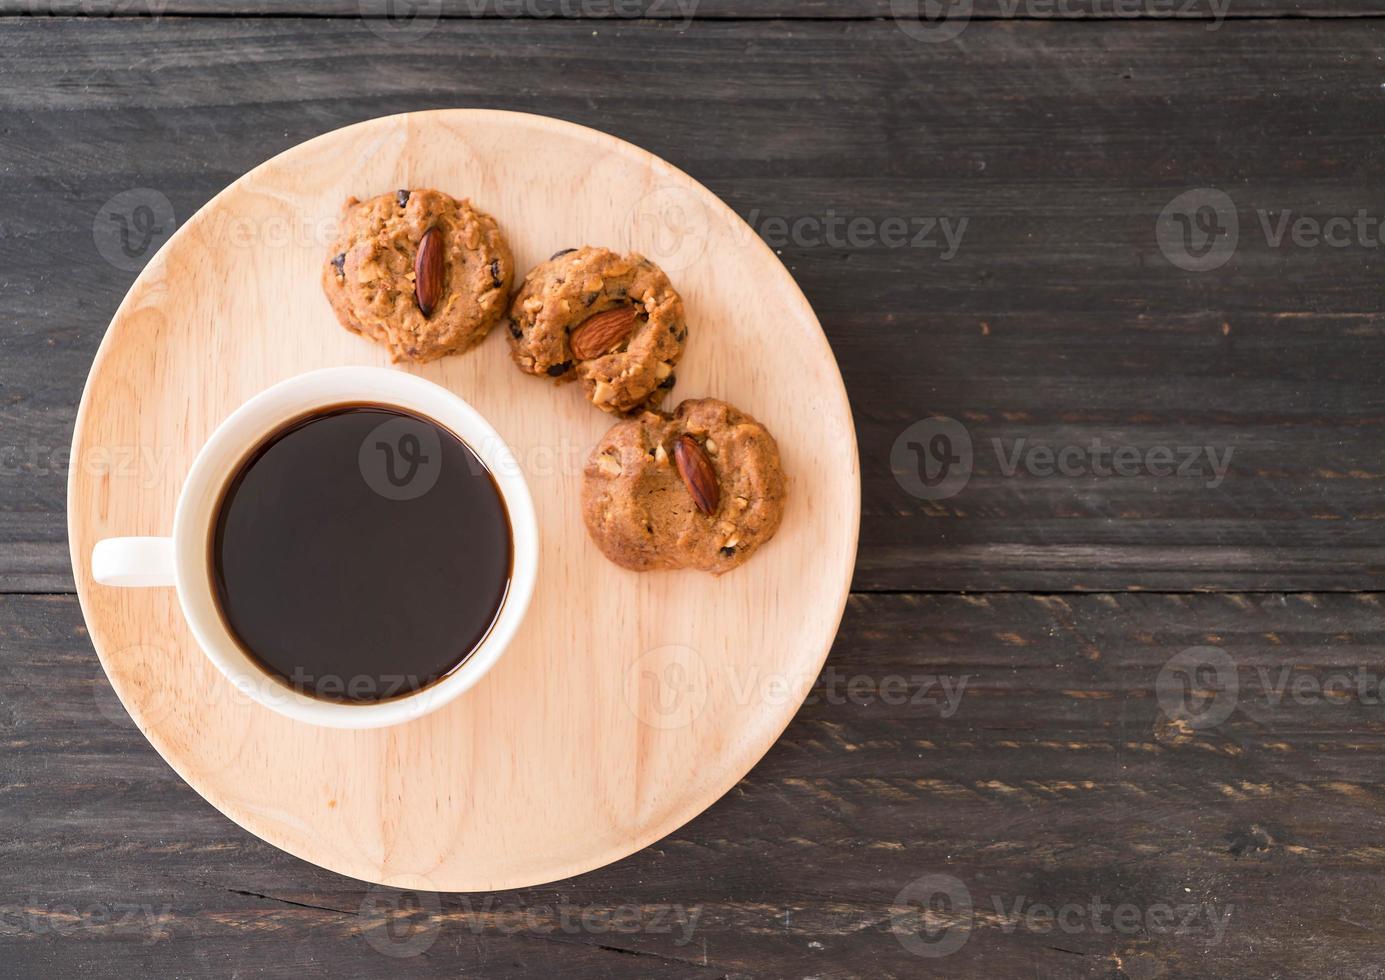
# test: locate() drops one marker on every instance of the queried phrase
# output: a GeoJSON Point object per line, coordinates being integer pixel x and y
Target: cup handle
{"type": "Point", "coordinates": [133, 562]}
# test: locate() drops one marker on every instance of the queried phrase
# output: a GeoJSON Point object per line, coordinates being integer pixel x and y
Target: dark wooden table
{"type": "Point", "coordinates": [1106, 700]}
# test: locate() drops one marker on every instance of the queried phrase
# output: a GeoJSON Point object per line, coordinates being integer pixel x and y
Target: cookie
{"type": "Point", "coordinates": [702, 488]}
{"type": "Point", "coordinates": [613, 322]}
{"type": "Point", "coordinates": [421, 309]}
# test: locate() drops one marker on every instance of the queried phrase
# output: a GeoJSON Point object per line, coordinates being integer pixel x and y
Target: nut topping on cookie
{"type": "Point", "coordinates": [613, 320]}
{"type": "Point", "coordinates": [697, 473]}
{"type": "Point", "coordinates": [601, 333]}
{"type": "Point", "coordinates": [652, 497]}
{"type": "Point", "coordinates": [419, 271]}
{"type": "Point", "coordinates": [428, 269]}
{"type": "Point", "coordinates": [608, 464]}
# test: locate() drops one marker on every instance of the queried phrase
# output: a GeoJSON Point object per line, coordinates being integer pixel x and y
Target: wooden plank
{"type": "Point", "coordinates": [1053, 777]}
{"type": "Point", "coordinates": [686, 11]}
{"type": "Point", "coordinates": [1058, 320]}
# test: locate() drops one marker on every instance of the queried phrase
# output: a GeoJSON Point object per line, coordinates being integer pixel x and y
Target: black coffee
{"type": "Point", "coordinates": [361, 553]}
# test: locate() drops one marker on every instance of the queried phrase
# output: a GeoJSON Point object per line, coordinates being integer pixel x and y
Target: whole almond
{"type": "Point", "coordinates": [697, 473]}
{"type": "Point", "coordinates": [600, 333]}
{"type": "Point", "coordinates": [428, 269]}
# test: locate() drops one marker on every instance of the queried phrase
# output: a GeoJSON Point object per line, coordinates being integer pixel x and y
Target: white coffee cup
{"type": "Point", "coordinates": [183, 561]}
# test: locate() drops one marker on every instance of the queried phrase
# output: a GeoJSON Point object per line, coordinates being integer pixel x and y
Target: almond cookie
{"type": "Point", "coordinates": [418, 271]}
{"type": "Point", "coordinates": [702, 488]}
{"type": "Point", "coordinates": [614, 322]}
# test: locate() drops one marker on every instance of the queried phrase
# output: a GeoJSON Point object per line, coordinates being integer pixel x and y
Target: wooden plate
{"type": "Point", "coordinates": [628, 703]}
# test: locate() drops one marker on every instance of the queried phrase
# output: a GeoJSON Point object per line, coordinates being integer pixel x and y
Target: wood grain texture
{"type": "Point", "coordinates": [619, 710]}
{"type": "Point", "coordinates": [686, 11]}
{"type": "Point", "coordinates": [1057, 321]}
{"type": "Point", "coordinates": [1057, 778]}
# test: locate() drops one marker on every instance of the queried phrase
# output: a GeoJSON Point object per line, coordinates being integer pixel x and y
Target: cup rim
{"type": "Point", "coordinates": [257, 418]}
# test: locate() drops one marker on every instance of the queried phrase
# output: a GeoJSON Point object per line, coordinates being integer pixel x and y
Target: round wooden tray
{"type": "Point", "coordinates": [628, 703]}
